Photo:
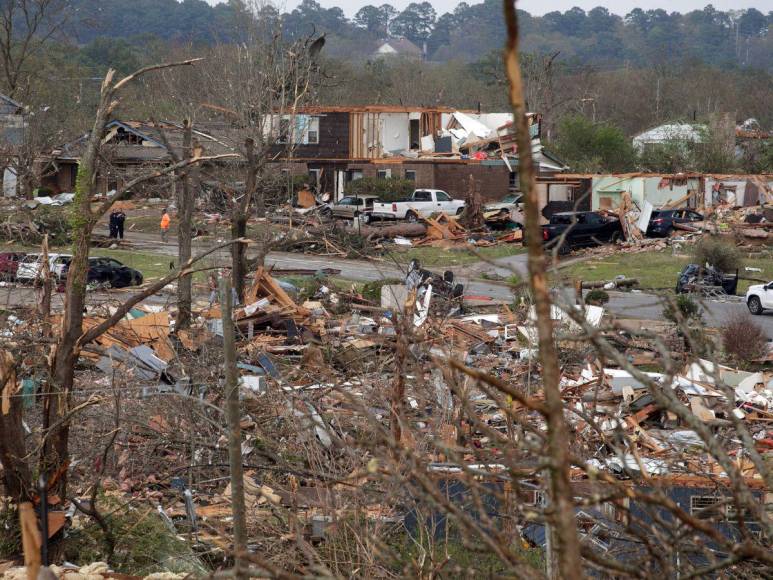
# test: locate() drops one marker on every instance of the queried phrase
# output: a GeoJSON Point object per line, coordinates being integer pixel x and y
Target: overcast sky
{"type": "Point", "coordinates": [621, 7]}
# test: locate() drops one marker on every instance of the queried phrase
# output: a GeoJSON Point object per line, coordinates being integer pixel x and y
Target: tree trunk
{"type": "Point", "coordinates": [260, 204]}
{"type": "Point", "coordinates": [238, 253]}
{"type": "Point", "coordinates": [239, 215]}
{"type": "Point", "coordinates": [567, 550]}
{"type": "Point", "coordinates": [17, 478]}
{"type": "Point", "coordinates": [233, 414]}
{"type": "Point", "coordinates": [45, 301]}
{"type": "Point", "coordinates": [184, 235]}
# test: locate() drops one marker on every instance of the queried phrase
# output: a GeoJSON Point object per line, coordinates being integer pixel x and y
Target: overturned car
{"type": "Point", "coordinates": [705, 280]}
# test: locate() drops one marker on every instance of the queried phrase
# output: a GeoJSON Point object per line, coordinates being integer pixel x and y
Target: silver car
{"type": "Point", "coordinates": [351, 206]}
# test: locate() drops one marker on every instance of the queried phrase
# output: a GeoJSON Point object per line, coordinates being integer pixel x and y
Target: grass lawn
{"type": "Point", "coordinates": [429, 256]}
{"type": "Point", "coordinates": [655, 270]}
{"type": "Point", "coordinates": [152, 266]}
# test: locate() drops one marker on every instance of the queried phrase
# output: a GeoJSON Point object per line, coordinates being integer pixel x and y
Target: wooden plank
{"type": "Point", "coordinates": [30, 537]}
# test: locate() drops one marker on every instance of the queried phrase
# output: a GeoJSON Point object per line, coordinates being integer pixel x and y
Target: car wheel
{"type": "Point", "coordinates": [460, 211]}
{"type": "Point", "coordinates": [365, 218]}
{"type": "Point", "coordinates": [326, 212]}
{"type": "Point", "coordinates": [412, 217]}
{"type": "Point", "coordinates": [615, 237]}
{"type": "Point", "coordinates": [755, 306]}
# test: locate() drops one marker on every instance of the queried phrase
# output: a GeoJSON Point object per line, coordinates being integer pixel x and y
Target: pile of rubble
{"type": "Point", "coordinates": [332, 369]}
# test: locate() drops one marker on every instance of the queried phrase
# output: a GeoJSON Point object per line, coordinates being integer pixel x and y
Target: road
{"type": "Point", "coordinates": [636, 305]}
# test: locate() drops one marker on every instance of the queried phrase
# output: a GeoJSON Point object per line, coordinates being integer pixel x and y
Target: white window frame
{"type": "Point", "coordinates": [700, 504]}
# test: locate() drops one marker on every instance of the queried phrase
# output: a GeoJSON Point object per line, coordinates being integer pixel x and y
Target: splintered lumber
{"type": "Point", "coordinates": [443, 227]}
{"type": "Point", "coordinates": [265, 286]}
{"type": "Point", "coordinates": [679, 202]}
{"type": "Point", "coordinates": [30, 536]}
{"type": "Point", "coordinates": [513, 236]}
{"type": "Point", "coordinates": [629, 227]}
{"type": "Point", "coordinates": [151, 330]}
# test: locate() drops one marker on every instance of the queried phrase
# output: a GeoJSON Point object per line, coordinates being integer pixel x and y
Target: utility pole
{"type": "Point", "coordinates": [233, 415]}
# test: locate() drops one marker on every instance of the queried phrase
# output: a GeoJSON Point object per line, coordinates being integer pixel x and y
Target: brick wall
{"type": "Point", "coordinates": [424, 172]}
{"type": "Point", "coordinates": [492, 180]}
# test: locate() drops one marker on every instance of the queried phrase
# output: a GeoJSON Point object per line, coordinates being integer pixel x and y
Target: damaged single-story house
{"type": "Point", "coordinates": [131, 147]}
{"type": "Point", "coordinates": [670, 133]}
{"type": "Point", "coordinates": [693, 190]}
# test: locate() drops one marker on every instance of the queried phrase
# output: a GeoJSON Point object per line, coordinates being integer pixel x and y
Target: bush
{"type": "Point", "coordinates": [372, 290]}
{"type": "Point", "coordinates": [743, 339]}
{"type": "Point", "coordinates": [722, 255]}
{"type": "Point", "coordinates": [597, 297]}
{"type": "Point", "coordinates": [391, 189]}
{"type": "Point", "coordinates": [592, 147]}
{"type": "Point", "coordinates": [684, 308]}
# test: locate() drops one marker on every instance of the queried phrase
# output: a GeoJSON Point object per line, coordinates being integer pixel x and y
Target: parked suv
{"type": "Point", "coordinates": [663, 220]}
{"type": "Point", "coordinates": [759, 298]}
{"type": "Point", "coordinates": [29, 267]}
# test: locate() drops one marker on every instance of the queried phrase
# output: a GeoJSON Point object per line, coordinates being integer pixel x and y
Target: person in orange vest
{"type": "Point", "coordinates": [165, 220]}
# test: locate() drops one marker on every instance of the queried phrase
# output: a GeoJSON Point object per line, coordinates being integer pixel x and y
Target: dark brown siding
{"type": "Point", "coordinates": [333, 139]}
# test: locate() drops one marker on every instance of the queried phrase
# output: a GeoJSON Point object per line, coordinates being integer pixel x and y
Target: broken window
{"type": "Point", "coordinates": [315, 175]}
{"type": "Point", "coordinates": [414, 137]}
{"type": "Point", "coordinates": [312, 131]}
{"type": "Point", "coordinates": [410, 175]}
{"type": "Point", "coordinates": [512, 181]}
{"type": "Point", "coordinates": [705, 506]}
{"type": "Point", "coordinates": [284, 131]}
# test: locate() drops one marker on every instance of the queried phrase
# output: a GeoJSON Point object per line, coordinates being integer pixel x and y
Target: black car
{"type": "Point", "coordinates": [109, 272]}
{"type": "Point", "coordinates": [663, 220]}
{"type": "Point", "coordinates": [704, 279]}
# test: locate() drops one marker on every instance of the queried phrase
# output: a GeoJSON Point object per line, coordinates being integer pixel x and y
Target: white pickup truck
{"type": "Point", "coordinates": [421, 203]}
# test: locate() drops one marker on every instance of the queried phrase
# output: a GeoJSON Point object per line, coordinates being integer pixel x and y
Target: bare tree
{"type": "Point", "coordinates": [25, 27]}
{"type": "Point", "coordinates": [568, 548]}
{"type": "Point", "coordinates": [83, 219]}
{"type": "Point", "coordinates": [260, 86]}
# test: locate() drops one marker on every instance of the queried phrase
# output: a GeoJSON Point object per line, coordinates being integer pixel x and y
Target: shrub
{"type": "Point", "coordinates": [684, 308]}
{"type": "Point", "coordinates": [391, 189]}
{"type": "Point", "coordinates": [597, 297]}
{"type": "Point", "coordinates": [372, 290]}
{"type": "Point", "coordinates": [722, 255]}
{"type": "Point", "coordinates": [743, 339]}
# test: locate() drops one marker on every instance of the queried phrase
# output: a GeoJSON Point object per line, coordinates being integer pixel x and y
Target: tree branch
{"type": "Point", "coordinates": [96, 331]}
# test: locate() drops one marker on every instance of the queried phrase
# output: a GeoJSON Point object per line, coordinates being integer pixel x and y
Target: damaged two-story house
{"type": "Point", "coordinates": [436, 147]}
